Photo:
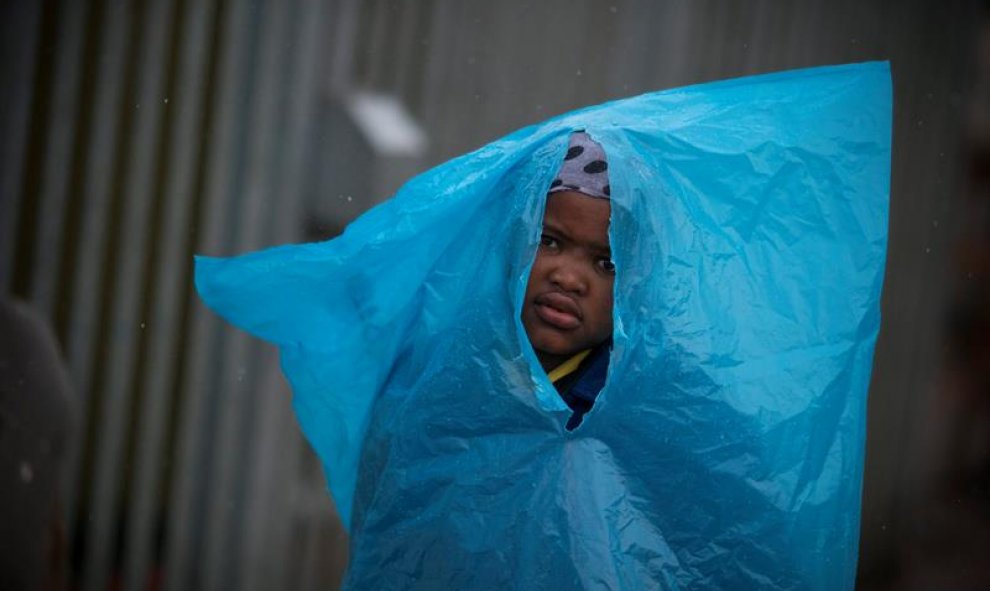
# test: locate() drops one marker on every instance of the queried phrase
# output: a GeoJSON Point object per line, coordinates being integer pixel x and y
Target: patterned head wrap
{"type": "Point", "coordinates": [584, 168]}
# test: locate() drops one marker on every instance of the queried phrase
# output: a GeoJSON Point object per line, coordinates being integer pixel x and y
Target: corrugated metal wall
{"type": "Point", "coordinates": [148, 131]}
{"type": "Point", "coordinates": [136, 133]}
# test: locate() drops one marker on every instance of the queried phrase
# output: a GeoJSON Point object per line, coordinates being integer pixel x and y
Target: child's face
{"type": "Point", "coordinates": [568, 306]}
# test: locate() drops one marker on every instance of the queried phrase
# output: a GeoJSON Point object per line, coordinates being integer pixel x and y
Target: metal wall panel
{"type": "Point", "coordinates": [19, 33]}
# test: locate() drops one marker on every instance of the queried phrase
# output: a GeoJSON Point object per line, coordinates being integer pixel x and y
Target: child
{"type": "Point", "coordinates": [747, 229]}
{"type": "Point", "coordinates": [567, 311]}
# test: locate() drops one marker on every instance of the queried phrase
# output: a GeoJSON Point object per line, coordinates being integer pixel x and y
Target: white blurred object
{"type": "Point", "coordinates": [389, 128]}
{"type": "Point", "coordinates": [369, 146]}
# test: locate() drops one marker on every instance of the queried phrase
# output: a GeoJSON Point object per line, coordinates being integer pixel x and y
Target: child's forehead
{"type": "Point", "coordinates": [575, 203]}
{"type": "Point", "coordinates": [582, 218]}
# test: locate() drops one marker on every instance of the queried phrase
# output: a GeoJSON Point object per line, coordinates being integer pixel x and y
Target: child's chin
{"type": "Point", "coordinates": [550, 355]}
{"type": "Point", "coordinates": [556, 349]}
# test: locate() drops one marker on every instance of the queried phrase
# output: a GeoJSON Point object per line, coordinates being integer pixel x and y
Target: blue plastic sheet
{"type": "Point", "coordinates": [749, 227]}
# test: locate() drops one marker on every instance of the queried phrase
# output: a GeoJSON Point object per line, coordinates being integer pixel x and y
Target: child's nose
{"type": "Point", "coordinates": [568, 278]}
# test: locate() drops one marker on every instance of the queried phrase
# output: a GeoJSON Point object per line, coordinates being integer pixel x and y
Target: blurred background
{"type": "Point", "coordinates": [146, 445]}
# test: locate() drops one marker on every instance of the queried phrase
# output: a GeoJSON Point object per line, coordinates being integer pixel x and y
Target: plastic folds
{"type": "Point", "coordinates": [749, 228]}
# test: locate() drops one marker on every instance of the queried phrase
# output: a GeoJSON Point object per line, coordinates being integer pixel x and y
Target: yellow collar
{"type": "Point", "coordinates": [567, 367]}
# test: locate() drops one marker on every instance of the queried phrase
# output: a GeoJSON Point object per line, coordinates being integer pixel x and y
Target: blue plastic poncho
{"type": "Point", "coordinates": [726, 450]}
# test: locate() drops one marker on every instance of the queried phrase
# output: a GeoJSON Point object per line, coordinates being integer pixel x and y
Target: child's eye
{"type": "Point", "coordinates": [606, 265]}
{"type": "Point", "coordinates": [548, 241]}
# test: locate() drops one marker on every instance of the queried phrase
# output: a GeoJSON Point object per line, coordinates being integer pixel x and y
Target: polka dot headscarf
{"type": "Point", "coordinates": [584, 169]}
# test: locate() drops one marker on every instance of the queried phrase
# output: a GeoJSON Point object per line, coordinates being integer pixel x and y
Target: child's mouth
{"type": "Point", "coordinates": [558, 311]}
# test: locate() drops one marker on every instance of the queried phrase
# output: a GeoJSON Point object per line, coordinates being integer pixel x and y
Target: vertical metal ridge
{"type": "Point", "coordinates": [130, 219]}
{"type": "Point", "coordinates": [402, 54]}
{"type": "Point", "coordinates": [87, 252]}
{"type": "Point", "coordinates": [145, 517]}
{"type": "Point", "coordinates": [20, 29]}
{"type": "Point", "coordinates": [275, 196]}
{"type": "Point", "coordinates": [340, 77]}
{"type": "Point", "coordinates": [92, 370]}
{"type": "Point", "coordinates": [202, 334]}
{"type": "Point", "coordinates": [410, 86]}
{"type": "Point", "coordinates": [54, 191]}
{"type": "Point", "coordinates": [175, 534]}
{"type": "Point", "coordinates": [264, 551]}
{"type": "Point", "coordinates": [67, 270]}
{"type": "Point", "coordinates": [228, 376]}
{"type": "Point", "coordinates": [378, 46]}
{"type": "Point", "coordinates": [37, 138]}
{"type": "Point", "coordinates": [253, 200]}
{"type": "Point", "coordinates": [172, 309]}
{"type": "Point", "coordinates": [361, 58]}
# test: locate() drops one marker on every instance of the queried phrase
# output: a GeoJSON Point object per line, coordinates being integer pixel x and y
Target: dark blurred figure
{"type": "Point", "coordinates": [35, 416]}
{"type": "Point", "coordinates": [950, 540]}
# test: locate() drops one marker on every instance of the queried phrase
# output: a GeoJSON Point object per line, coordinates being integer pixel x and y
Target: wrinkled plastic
{"type": "Point", "coordinates": [726, 450]}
